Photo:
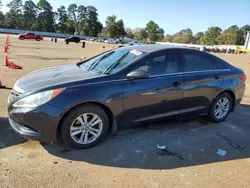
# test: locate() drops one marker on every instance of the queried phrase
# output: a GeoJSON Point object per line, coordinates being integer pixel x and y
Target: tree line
{"type": "Point", "coordinates": [213, 36]}
{"type": "Point", "coordinates": [83, 20]}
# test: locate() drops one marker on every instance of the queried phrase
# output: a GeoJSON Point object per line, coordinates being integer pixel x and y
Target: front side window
{"type": "Point", "coordinates": [196, 61]}
{"type": "Point", "coordinates": [160, 64]}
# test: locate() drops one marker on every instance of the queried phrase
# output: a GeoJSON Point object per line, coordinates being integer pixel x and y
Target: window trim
{"type": "Point", "coordinates": [190, 72]}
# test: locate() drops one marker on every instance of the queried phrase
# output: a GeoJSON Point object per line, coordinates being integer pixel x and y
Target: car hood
{"type": "Point", "coordinates": [52, 76]}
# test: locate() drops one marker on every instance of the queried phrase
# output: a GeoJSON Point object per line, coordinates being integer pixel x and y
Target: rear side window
{"type": "Point", "coordinates": [196, 61]}
{"type": "Point", "coordinates": [219, 63]}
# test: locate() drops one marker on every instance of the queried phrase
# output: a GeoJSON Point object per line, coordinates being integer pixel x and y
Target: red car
{"type": "Point", "coordinates": [30, 36]}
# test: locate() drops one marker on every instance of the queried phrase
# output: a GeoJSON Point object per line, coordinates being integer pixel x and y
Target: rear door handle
{"type": "Point", "coordinates": [216, 77]}
{"type": "Point", "coordinates": [176, 84]}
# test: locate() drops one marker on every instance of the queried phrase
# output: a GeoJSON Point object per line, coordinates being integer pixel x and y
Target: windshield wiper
{"type": "Point", "coordinates": [98, 61]}
{"type": "Point", "coordinates": [114, 65]}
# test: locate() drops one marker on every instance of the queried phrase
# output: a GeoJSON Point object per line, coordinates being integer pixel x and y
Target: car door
{"type": "Point", "coordinates": [29, 35]}
{"type": "Point", "coordinates": [201, 80]}
{"type": "Point", "coordinates": [158, 95]}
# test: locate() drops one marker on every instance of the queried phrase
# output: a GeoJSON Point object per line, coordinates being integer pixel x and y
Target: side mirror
{"type": "Point", "coordinates": [137, 74]}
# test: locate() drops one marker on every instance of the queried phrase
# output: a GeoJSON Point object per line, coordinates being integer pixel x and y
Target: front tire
{"type": "Point", "coordinates": [221, 107]}
{"type": "Point", "coordinates": [37, 39]}
{"type": "Point", "coordinates": [84, 127]}
{"type": "Point", "coordinates": [21, 38]}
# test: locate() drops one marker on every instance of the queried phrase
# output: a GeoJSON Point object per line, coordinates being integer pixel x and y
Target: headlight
{"type": "Point", "coordinates": [37, 99]}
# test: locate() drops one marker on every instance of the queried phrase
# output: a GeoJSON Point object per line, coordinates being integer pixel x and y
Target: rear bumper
{"type": "Point", "coordinates": [239, 94]}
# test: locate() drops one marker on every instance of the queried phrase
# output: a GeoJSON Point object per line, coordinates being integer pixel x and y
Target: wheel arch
{"type": "Point", "coordinates": [232, 94]}
{"type": "Point", "coordinates": [106, 109]}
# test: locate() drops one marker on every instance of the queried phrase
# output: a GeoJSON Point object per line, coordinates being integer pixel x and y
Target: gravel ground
{"type": "Point", "coordinates": [131, 157]}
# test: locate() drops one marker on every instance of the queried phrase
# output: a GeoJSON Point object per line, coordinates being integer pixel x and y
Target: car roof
{"type": "Point", "coordinates": [153, 47]}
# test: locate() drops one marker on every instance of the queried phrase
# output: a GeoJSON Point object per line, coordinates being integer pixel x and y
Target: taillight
{"type": "Point", "coordinates": [243, 77]}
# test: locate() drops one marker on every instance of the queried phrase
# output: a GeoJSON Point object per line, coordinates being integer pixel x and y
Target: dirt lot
{"type": "Point", "coordinates": [130, 158]}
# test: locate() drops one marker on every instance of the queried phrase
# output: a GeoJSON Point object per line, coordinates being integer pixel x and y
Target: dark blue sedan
{"type": "Point", "coordinates": [81, 103]}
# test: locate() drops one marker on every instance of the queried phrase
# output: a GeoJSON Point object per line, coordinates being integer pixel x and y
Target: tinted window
{"type": "Point", "coordinates": [163, 63]}
{"type": "Point", "coordinates": [196, 61]}
{"type": "Point", "coordinates": [30, 34]}
{"type": "Point", "coordinates": [219, 63]}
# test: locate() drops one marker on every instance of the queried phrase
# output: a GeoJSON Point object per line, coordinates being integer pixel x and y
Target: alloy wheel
{"type": "Point", "coordinates": [86, 128]}
{"type": "Point", "coordinates": [221, 108]}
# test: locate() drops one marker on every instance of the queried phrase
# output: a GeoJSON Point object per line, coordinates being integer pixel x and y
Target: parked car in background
{"type": "Point", "coordinates": [30, 35]}
{"type": "Point", "coordinates": [80, 103]}
{"type": "Point", "coordinates": [72, 39]}
{"type": "Point", "coordinates": [135, 42]}
{"type": "Point", "coordinates": [111, 41]}
{"type": "Point", "coordinates": [92, 39]}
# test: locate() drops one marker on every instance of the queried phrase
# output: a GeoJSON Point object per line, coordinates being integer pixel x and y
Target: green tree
{"type": "Point", "coordinates": [210, 36]}
{"type": "Point", "coordinates": [187, 31]}
{"type": "Point", "coordinates": [114, 28]}
{"type": "Point", "coordinates": [230, 36]}
{"type": "Point", "coordinates": [120, 28]}
{"type": "Point", "coordinates": [30, 14]}
{"type": "Point", "coordinates": [160, 34]}
{"type": "Point", "coordinates": [70, 26]}
{"type": "Point", "coordinates": [243, 33]}
{"type": "Point", "coordinates": [14, 18]}
{"type": "Point", "coordinates": [45, 20]}
{"type": "Point", "coordinates": [222, 39]}
{"type": "Point", "coordinates": [197, 38]}
{"type": "Point", "coordinates": [111, 26]}
{"type": "Point", "coordinates": [184, 36]}
{"type": "Point", "coordinates": [141, 34]}
{"type": "Point", "coordinates": [81, 12]}
{"type": "Point", "coordinates": [72, 12]}
{"type": "Point", "coordinates": [130, 33]}
{"type": "Point", "coordinates": [91, 26]}
{"type": "Point", "coordinates": [77, 15]}
{"type": "Point", "coordinates": [62, 18]}
{"type": "Point", "coordinates": [2, 16]}
{"type": "Point", "coordinates": [154, 31]}
{"type": "Point", "coordinates": [168, 38]}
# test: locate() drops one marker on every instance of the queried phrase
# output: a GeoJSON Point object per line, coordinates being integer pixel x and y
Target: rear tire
{"type": "Point", "coordinates": [218, 110]}
{"type": "Point", "coordinates": [67, 42]}
{"type": "Point", "coordinates": [72, 125]}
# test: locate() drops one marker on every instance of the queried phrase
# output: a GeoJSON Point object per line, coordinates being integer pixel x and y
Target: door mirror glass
{"type": "Point", "coordinates": [137, 74]}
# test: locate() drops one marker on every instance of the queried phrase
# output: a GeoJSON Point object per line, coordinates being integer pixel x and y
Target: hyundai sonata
{"type": "Point", "coordinates": [80, 103]}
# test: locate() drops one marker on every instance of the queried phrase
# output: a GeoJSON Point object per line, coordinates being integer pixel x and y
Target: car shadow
{"type": "Point", "coordinates": [189, 142]}
{"type": "Point", "coordinates": [8, 137]}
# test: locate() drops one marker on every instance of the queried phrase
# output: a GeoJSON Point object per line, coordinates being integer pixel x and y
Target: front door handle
{"type": "Point", "coordinates": [176, 84]}
{"type": "Point", "coordinates": [216, 77]}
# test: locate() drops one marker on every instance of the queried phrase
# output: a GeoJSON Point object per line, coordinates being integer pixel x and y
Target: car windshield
{"type": "Point", "coordinates": [112, 61]}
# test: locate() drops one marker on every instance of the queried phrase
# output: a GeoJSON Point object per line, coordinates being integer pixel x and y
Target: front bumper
{"type": "Point", "coordinates": [36, 124]}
